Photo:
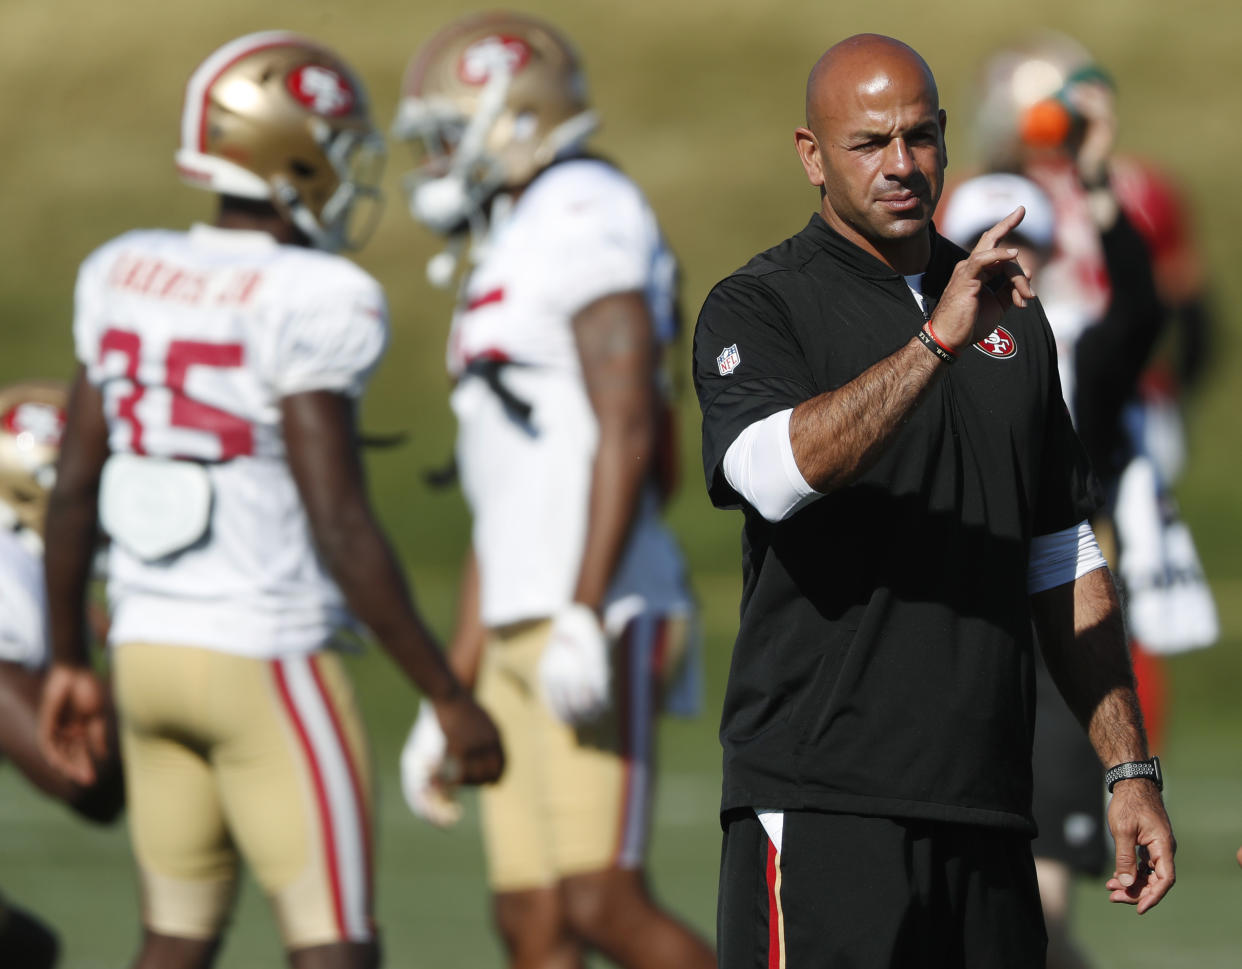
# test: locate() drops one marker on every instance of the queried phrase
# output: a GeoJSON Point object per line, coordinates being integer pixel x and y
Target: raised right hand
{"type": "Point", "coordinates": [982, 288]}
{"type": "Point", "coordinates": [1095, 102]}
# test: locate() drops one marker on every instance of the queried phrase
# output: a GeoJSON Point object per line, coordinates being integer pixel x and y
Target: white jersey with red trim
{"type": "Point", "coordinates": [23, 604]}
{"type": "Point", "coordinates": [1073, 287]}
{"type": "Point", "coordinates": [580, 231]}
{"type": "Point", "coordinates": [193, 338]}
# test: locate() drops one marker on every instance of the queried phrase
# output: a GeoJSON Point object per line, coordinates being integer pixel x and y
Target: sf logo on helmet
{"type": "Point", "coordinates": [484, 56]}
{"type": "Point", "coordinates": [35, 424]}
{"type": "Point", "coordinates": [321, 89]}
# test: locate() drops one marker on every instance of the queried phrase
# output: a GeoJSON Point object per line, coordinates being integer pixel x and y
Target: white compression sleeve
{"type": "Point", "coordinates": [1062, 557]}
{"type": "Point", "coordinates": [760, 467]}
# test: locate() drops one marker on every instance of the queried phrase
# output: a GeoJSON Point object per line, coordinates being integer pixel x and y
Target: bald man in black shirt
{"type": "Point", "coordinates": [885, 410]}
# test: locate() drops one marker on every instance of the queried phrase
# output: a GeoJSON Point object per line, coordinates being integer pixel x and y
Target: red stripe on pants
{"type": "Point", "coordinates": [774, 912]}
{"type": "Point", "coordinates": [624, 726]}
{"type": "Point", "coordinates": [360, 804]}
{"type": "Point", "coordinates": [321, 795]}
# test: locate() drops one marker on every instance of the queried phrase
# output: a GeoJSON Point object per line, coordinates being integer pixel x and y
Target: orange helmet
{"type": "Point", "coordinates": [1022, 105]}
{"type": "Point", "coordinates": [276, 116]}
{"type": "Point", "coordinates": [32, 420]}
{"type": "Point", "coordinates": [487, 103]}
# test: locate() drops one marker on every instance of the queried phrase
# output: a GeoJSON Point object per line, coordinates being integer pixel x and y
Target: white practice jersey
{"type": "Point", "coordinates": [1073, 287]}
{"type": "Point", "coordinates": [193, 338]}
{"type": "Point", "coordinates": [581, 231]}
{"type": "Point", "coordinates": [23, 604]}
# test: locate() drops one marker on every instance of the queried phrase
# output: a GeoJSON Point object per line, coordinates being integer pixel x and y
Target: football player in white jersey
{"type": "Point", "coordinates": [211, 433]}
{"type": "Point", "coordinates": [575, 607]}
{"type": "Point", "coordinates": [32, 419]}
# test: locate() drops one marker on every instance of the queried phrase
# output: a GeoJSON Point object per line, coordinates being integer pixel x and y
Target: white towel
{"type": "Point", "coordinates": [1169, 606]}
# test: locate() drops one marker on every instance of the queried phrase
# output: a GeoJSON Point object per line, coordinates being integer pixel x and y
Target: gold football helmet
{"type": "Point", "coordinates": [32, 420]}
{"type": "Point", "coordinates": [1022, 105]}
{"type": "Point", "coordinates": [276, 116]}
{"type": "Point", "coordinates": [486, 104]}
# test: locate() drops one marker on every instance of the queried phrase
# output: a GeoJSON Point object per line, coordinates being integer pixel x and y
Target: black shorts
{"type": "Point", "coordinates": [1068, 803]}
{"type": "Point", "coordinates": [848, 891]}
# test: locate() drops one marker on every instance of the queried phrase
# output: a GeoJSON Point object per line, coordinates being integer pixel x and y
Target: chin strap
{"type": "Point", "coordinates": [442, 267]}
{"type": "Point", "coordinates": [568, 136]}
{"type": "Point", "coordinates": [473, 242]}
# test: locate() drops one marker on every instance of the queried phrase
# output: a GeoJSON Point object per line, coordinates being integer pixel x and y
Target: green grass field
{"type": "Point", "coordinates": [699, 101]}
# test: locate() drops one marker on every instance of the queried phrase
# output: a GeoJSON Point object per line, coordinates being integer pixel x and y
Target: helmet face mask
{"type": "Point", "coordinates": [345, 217]}
{"type": "Point", "coordinates": [486, 104]}
{"type": "Point", "coordinates": [274, 116]}
{"type": "Point", "coordinates": [32, 421]}
{"type": "Point", "coordinates": [452, 177]}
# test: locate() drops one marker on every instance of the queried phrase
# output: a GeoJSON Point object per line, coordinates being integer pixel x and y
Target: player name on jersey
{"type": "Point", "coordinates": [148, 276]}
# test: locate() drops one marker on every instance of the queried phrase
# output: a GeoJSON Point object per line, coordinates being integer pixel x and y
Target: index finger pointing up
{"type": "Point", "coordinates": [994, 235]}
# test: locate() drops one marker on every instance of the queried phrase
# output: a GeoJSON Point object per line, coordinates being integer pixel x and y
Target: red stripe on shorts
{"type": "Point", "coordinates": [321, 795]}
{"type": "Point", "coordinates": [360, 805]}
{"type": "Point", "coordinates": [661, 656]}
{"type": "Point", "coordinates": [624, 714]}
{"type": "Point", "coordinates": [774, 911]}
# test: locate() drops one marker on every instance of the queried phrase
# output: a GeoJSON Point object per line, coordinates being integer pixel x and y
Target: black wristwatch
{"type": "Point", "coordinates": [1135, 768]}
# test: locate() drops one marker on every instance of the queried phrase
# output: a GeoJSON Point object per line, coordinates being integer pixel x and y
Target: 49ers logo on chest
{"type": "Point", "coordinates": [999, 344]}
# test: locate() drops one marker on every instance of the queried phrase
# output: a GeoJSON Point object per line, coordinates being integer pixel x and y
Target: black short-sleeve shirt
{"type": "Point", "coordinates": [883, 663]}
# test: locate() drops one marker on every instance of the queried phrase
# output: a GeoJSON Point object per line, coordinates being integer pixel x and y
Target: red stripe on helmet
{"type": "Point", "coordinates": [202, 120]}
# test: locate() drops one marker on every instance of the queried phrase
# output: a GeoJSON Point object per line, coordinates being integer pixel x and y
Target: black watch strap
{"type": "Point", "coordinates": [1135, 768]}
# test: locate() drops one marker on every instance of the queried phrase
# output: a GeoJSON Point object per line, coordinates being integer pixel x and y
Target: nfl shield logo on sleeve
{"type": "Point", "coordinates": [728, 360]}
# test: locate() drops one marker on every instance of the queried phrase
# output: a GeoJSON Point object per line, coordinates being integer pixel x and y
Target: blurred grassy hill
{"type": "Point", "coordinates": [699, 101]}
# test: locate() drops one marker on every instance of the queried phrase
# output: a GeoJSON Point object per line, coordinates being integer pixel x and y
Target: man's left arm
{"type": "Point", "coordinates": [1083, 639]}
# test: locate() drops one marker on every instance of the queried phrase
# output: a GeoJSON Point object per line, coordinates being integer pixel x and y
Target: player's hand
{"type": "Point", "coordinates": [573, 671]}
{"type": "Point", "coordinates": [982, 288]}
{"type": "Point", "coordinates": [74, 721]}
{"type": "Point", "coordinates": [422, 761]}
{"type": "Point", "coordinates": [472, 750]}
{"type": "Point", "coordinates": [1095, 102]}
{"type": "Point", "coordinates": [1145, 845]}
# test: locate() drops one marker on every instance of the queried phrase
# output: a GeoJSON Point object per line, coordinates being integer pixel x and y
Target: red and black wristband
{"type": "Point", "coordinates": [927, 336]}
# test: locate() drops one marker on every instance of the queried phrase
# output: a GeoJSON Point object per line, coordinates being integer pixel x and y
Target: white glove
{"type": "Point", "coordinates": [573, 671]}
{"type": "Point", "coordinates": [422, 771]}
